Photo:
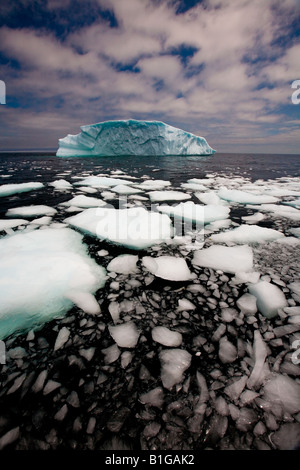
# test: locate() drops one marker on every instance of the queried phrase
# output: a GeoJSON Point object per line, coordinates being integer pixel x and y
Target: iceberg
{"type": "Point", "coordinates": [132, 137]}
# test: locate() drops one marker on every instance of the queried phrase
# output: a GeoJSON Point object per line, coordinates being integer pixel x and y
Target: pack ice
{"type": "Point", "coordinates": [132, 137]}
{"type": "Point", "coordinates": [42, 274]}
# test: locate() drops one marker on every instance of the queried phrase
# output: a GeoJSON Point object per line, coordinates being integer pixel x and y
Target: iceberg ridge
{"type": "Point", "coordinates": [132, 137]}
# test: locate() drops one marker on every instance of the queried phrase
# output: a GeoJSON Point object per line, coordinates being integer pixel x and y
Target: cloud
{"type": "Point", "coordinates": [213, 66]}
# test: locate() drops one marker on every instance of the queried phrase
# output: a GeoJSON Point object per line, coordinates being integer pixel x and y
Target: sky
{"type": "Point", "coordinates": [221, 69]}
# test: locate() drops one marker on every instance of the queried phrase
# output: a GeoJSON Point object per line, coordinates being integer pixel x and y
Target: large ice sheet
{"type": "Point", "coordinates": [39, 271]}
{"type": "Point", "coordinates": [247, 234]}
{"type": "Point", "coordinates": [132, 137]}
{"type": "Point", "coordinates": [9, 189]}
{"type": "Point", "coordinates": [231, 259]}
{"type": "Point", "coordinates": [134, 228]}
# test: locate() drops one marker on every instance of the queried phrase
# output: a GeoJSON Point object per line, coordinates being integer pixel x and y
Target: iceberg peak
{"type": "Point", "coordinates": [132, 137]}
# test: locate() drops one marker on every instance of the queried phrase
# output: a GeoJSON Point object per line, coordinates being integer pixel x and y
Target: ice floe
{"type": "Point", "coordinates": [61, 185]}
{"type": "Point", "coordinates": [159, 196]}
{"type": "Point", "coordinates": [126, 335]}
{"type": "Point", "coordinates": [10, 189]}
{"type": "Point", "coordinates": [31, 211]}
{"type": "Point", "coordinates": [166, 337]}
{"type": "Point", "coordinates": [174, 362]}
{"type": "Point", "coordinates": [38, 270]}
{"type": "Point", "coordinates": [170, 268]}
{"type": "Point", "coordinates": [134, 228]}
{"type": "Point", "coordinates": [269, 298]}
{"type": "Point", "coordinates": [84, 202]}
{"type": "Point", "coordinates": [247, 234]}
{"type": "Point", "coordinates": [191, 212]}
{"type": "Point", "coordinates": [244, 197]}
{"type": "Point", "coordinates": [124, 264]}
{"type": "Point", "coordinates": [228, 259]}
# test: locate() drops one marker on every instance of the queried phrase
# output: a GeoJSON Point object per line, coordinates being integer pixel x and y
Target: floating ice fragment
{"type": "Point", "coordinates": [61, 185]}
{"type": "Point", "coordinates": [125, 189]}
{"type": "Point", "coordinates": [185, 304]}
{"type": "Point", "coordinates": [134, 228]}
{"type": "Point", "coordinates": [168, 267]}
{"type": "Point", "coordinates": [132, 137]}
{"type": "Point", "coordinates": [6, 224]}
{"type": "Point", "coordinates": [154, 397]}
{"type": "Point", "coordinates": [125, 335]}
{"type": "Point", "coordinates": [102, 181]}
{"type": "Point", "coordinates": [247, 234]}
{"type": "Point", "coordinates": [124, 264]}
{"type": "Point", "coordinates": [253, 219]}
{"type": "Point", "coordinates": [61, 338]}
{"type": "Point", "coordinates": [190, 212]}
{"type": "Point", "coordinates": [37, 271]}
{"type": "Point", "coordinates": [164, 336]}
{"type": "Point", "coordinates": [260, 370]}
{"type": "Point", "coordinates": [247, 304]}
{"type": "Point", "coordinates": [228, 259]}
{"type": "Point", "coordinates": [84, 202]}
{"type": "Point", "coordinates": [269, 298]}
{"type": "Point", "coordinates": [9, 189]}
{"type": "Point", "coordinates": [31, 211]}
{"type": "Point", "coordinates": [284, 391]}
{"type": "Point", "coordinates": [227, 351]}
{"type": "Point", "coordinates": [85, 301]}
{"type": "Point", "coordinates": [174, 362]}
{"type": "Point", "coordinates": [243, 197]}
{"type": "Point", "coordinates": [159, 196]}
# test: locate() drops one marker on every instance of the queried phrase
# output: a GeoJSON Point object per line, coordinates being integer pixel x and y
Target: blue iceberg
{"type": "Point", "coordinates": [132, 137]}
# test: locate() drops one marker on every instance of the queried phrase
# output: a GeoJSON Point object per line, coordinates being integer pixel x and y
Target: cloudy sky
{"type": "Point", "coordinates": [222, 69]}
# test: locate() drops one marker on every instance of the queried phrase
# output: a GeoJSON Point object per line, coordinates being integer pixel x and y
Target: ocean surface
{"type": "Point", "coordinates": [220, 374]}
{"type": "Point", "coordinates": [45, 167]}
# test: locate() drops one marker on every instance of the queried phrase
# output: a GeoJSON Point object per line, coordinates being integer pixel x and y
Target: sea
{"type": "Point", "coordinates": [22, 167]}
{"type": "Point", "coordinates": [90, 393]}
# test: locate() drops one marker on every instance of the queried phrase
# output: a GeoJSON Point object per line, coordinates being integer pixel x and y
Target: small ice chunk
{"type": "Point", "coordinates": [287, 437]}
{"type": "Point", "coordinates": [154, 397]}
{"type": "Point", "coordinates": [168, 267]}
{"type": "Point", "coordinates": [235, 389]}
{"type": "Point", "coordinates": [193, 186]}
{"type": "Point", "coordinates": [164, 336]}
{"type": "Point", "coordinates": [227, 351]}
{"type": "Point", "coordinates": [85, 301]}
{"type": "Point", "coordinates": [10, 189]}
{"type": "Point", "coordinates": [61, 185]}
{"type": "Point", "coordinates": [284, 391]}
{"type": "Point", "coordinates": [247, 234]}
{"type": "Point", "coordinates": [61, 338]}
{"type": "Point", "coordinates": [253, 219]}
{"type": "Point", "coordinates": [228, 259]}
{"type": "Point", "coordinates": [269, 298]}
{"type": "Point", "coordinates": [295, 231]}
{"type": "Point", "coordinates": [114, 310]}
{"type": "Point", "coordinates": [111, 354]}
{"type": "Point", "coordinates": [125, 335]}
{"type": "Point", "coordinates": [102, 181]}
{"type": "Point", "coordinates": [260, 370]}
{"type": "Point", "coordinates": [174, 362]}
{"type": "Point", "coordinates": [124, 264]}
{"type": "Point", "coordinates": [185, 304]}
{"type": "Point", "coordinates": [247, 304]}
